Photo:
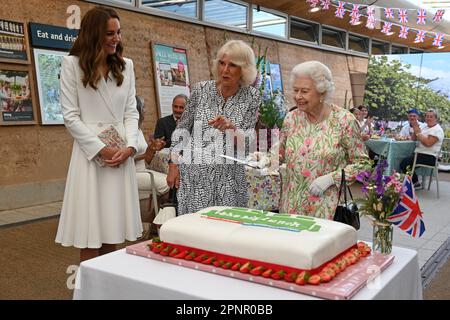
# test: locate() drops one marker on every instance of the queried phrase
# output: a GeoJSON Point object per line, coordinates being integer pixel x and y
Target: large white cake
{"type": "Point", "coordinates": [294, 241]}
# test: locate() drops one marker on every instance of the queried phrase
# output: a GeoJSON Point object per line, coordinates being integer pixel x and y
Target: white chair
{"type": "Point", "coordinates": [428, 170]}
{"type": "Point", "coordinates": [153, 203]}
{"type": "Point", "coordinates": [444, 157]}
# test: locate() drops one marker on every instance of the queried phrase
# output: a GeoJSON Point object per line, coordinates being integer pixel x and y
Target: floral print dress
{"type": "Point", "coordinates": [313, 150]}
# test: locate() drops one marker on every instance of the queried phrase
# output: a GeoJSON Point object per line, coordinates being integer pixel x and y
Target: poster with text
{"type": "Point", "coordinates": [13, 42]}
{"type": "Point", "coordinates": [16, 103]}
{"type": "Point", "coordinates": [48, 68]}
{"type": "Point", "coordinates": [171, 75]}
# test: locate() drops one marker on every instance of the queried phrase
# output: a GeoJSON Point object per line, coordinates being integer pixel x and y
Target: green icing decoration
{"type": "Point", "coordinates": [267, 219]}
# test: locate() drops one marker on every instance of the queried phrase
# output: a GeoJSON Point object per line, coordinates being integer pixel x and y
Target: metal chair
{"type": "Point", "coordinates": [427, 170]}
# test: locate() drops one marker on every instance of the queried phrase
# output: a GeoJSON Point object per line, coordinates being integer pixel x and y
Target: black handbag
{"type": "Point", "coordinates": [348, 211]}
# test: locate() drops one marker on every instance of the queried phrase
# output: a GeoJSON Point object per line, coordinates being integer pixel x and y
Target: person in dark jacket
{"type": "Point", "coordinates": [166, 126]}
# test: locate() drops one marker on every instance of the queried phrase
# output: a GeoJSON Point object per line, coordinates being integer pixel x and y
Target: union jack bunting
{"type": "Point", "coordinates": [325, 4]}
{"type": "Point", "coordinates": [403, 32]}
{"type": "Point", "coordinates": [407, 215]}
{"type": "Point", "coordinates": [389, 13]}
{"type": "Point", "coordinates": [438, 16]}
{"type": "Point", "coordinates": [438, 39]}
{"type": "Point", "coordinates": [421, 16]}
{"type": "Point", "coordinates": [420, 37]}
{"type": "Point", "coordinates": [386, 27]}
{"type": "Point", "coordinates": [313, 3]}
{"type": "Point", "coordinates": [340, 10]}
{"type": "Point", "coordinates": [355, 10]}
{"type": "Point", "coordinates": [370, 24]}
{"type": "Point", "coordinates": [355, 19]}
{"type": "Point", "coordinates": [403, 15]}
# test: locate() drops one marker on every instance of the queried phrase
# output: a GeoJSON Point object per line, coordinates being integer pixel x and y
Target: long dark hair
{"type": "Point", "coordinates": [89, 47]}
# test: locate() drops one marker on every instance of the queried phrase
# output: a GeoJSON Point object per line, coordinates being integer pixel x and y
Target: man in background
{"type": "Point", "coordinates": [413, 120]}
{"type": "Point", "coordinates": [166, 126]}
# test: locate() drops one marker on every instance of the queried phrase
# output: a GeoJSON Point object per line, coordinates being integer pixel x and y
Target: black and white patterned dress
{"type": "Point", "coordinates": [205, 179]}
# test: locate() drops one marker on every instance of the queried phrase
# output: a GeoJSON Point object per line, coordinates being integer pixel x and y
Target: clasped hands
{"type": "Point", "coordinates": [156, 144]}
{"type": "Point", "coordinates": [114, 157]}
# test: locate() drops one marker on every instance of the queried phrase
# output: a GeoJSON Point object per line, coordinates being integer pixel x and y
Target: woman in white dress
{"type": "Point", "coordinates": [101, 203]}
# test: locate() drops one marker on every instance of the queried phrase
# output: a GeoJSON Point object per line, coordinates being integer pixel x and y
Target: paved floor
{"type": "Point", "coordinates": [436, 217]}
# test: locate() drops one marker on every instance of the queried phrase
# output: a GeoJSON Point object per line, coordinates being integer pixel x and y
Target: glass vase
{"type": "Point", "coordinates": [382, 237]}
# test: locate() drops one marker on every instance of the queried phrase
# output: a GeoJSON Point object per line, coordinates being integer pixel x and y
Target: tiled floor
{"type": "Point", "coordinates": [436, 217]}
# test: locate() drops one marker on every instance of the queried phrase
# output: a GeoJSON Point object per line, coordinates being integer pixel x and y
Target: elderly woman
{"type": "Point", "coordinates": [218, 111]}
{"type": "Point", "coordinates": [429, 141]}
{"type": "Point", "coordinates": [318, 140]}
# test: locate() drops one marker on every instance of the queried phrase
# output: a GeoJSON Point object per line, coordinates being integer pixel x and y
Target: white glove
{"type": "Point", "coordinates": [320, 184]}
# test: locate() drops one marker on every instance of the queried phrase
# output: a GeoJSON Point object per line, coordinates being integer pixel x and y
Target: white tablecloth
{"type": "Point", "coordinates": [119, 275]}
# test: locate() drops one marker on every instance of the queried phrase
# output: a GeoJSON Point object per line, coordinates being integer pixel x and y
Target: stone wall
{"type": "Point", "coordinates": [34, 159]}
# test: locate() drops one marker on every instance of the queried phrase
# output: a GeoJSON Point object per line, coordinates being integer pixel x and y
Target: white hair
{"type": "Point", "coordinates": [242, 55]}
{"type": "Point", "coordinates": [319, 73]}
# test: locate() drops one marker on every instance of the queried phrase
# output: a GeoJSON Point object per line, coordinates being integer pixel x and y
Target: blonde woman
{"type": "Point", "coordinates": [215, 108]}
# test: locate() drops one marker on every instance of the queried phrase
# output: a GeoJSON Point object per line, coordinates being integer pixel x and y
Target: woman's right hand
{"type": "Point", "coordinates": [107, 152]}
{"type": "Point", "coordinates": [173, 176]}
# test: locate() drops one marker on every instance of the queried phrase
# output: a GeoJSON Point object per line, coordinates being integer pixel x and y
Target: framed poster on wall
{"type": "Point", "coordinates": [13, 42]}
{"type": "Point", "coordinates": [171, 75]}
{"type": "Point", "coordinates": [275, 76]}
{"type": "Point", "coordinates": [48, 68]}
{"type": "Point", "coordinates": [16, 98]}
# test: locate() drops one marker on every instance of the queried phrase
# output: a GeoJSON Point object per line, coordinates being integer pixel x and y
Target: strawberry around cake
{"type": "Point", "coordinates": [280, 246]}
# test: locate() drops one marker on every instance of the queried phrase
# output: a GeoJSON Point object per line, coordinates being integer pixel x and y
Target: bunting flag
{"type": "Point", "coordinates": [340, 10]}
{"type": "Point", "coordinates": [313, 3]}
{"type": "Point", "coordinates": [389, 13]}
{"type": "Point", "coordinates": [325, 4]}
{"type": "Point", "coordinates": [420, 37]}
{"type": "Point", "coordinates": [438, 39]}
{"type": "Point", "coordinates": [386, 27]}
{"type": "Point", "coordinates": [370, 24]}
{"type": "Point", "coordinates": [407, 215]}
{"type": "Point", "coordinates": [438, 16]}
{"type": "Point", "coordinates": [355, 19]}
{"type": "Point", "coordinates": [403, 32]}
{"type": "Point", "coordinates": [355, 11]}
{"type": "Point", "coordinates": [403, 16]}
{"type": "Point", "coordinates": [421, 16]}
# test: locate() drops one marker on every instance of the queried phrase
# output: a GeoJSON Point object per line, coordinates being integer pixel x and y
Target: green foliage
{"type": "Point", "coordinates": [271, 110]}
{"type": "Point", "coordinates": [391, 89]}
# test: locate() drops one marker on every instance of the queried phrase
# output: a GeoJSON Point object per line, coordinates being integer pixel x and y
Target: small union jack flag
{"type": "Point", "coordinates": [355, 19]}
{"type": "Point", "coordinates": [340, 10]}
{"type": "Point", "coordinates": [421, 16]}
{"type": "Point", "coordinates": [355, 10]}
{"type": "Point", "coordinates": [438, 39]}
{"type": "Point", "coordinates": [325, 4]}
{"type": "Point", "coordinates": [438, 16]}
{"type": "Point", "coordinates": [403, 32]}
{"type": "Point", "coordinates": [389, 13]}
{"type": "Point", "coordinates": [420, 37]}
{"type": "Point", "coordinates": [386, 27]}
{"type": "Point", "coordinates": [313, 3]}
{"type": "Point", "coordinates": [370, 24]}
{"type": "Point", "coordinates": [403, 15]}
{"type": "Point", "coordinates": [407, 215]}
